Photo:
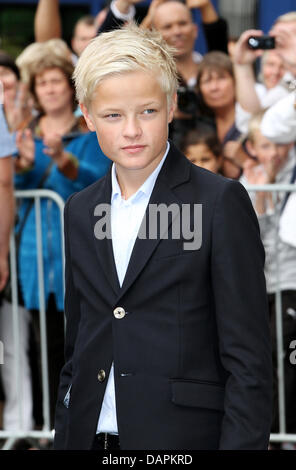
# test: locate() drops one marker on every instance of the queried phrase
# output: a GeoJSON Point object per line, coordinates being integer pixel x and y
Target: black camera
{"type": "Point", "coordinates": [261, 42]}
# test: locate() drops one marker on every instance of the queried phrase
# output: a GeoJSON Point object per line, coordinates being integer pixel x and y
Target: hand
{"type": "Point", "coordinates": [4, 271]}
{"type": "Point", "coordinates": [255, 173]}
{"type": "Point", "coordinates": [148, 20]}
{"type": "Point", "coordinates": [243, 55]}
{"type": "Point", "coordinates": [100, 17]}
{"type": "Point", "coordinates": [17, 110]}
{"type": "Point", "coordinates": [285, 45]}
{"type": "Point", "coordinates": [26, 149]}
{"type": "Point", "coordinates": [233, 150]}
{"type": "Point", "coordinates": [124, 5]}
{"type": "Point", "coordinates": [54, 146]}
{"type": "Point", "coordinates": [197, 3]}
{"type": "Point", "coordinates": [271, 169]}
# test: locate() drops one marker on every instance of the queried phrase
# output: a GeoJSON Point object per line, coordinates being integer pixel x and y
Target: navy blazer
{"type": "Point", "coordinates": [192, 359]}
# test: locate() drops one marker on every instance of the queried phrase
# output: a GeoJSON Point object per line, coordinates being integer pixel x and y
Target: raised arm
{"type": "Point", "coordinates": [206, 8]}
{"type": "Point", "coordinates": [243, 60]}
{"type": "Point", "coordinates": [119, 13]}
{"type": "Point", "coordinates": [47, 24]}
{"type": "Point", "coordinates": [215, 28]}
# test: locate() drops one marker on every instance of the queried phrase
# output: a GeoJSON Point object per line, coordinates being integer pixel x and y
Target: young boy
{"type": "Point", "coordinates": [202, 147]}
{"type": "Point", "coordinates": [167, 342]}
{"type": "Point", "coordinates": [276, 163]}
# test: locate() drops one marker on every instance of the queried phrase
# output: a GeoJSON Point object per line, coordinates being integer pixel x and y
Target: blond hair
{"type": "Point", "coordinates": [254, 125]}
{"type": "Point", "coordinates": [286, 18]}
{"type": "Point", "coordinates": [37, 51]}
{"type": "Point", "coordinates": [125, 50]}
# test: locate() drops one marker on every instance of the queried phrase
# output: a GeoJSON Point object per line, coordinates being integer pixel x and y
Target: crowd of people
{"type": "Point", "coordinates": [235, 116]}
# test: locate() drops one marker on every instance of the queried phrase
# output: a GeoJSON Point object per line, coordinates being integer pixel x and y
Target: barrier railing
{"type": "Point", "coordinates": [46, 432]}
{"type": "Point", "coordinates": [282, 435]}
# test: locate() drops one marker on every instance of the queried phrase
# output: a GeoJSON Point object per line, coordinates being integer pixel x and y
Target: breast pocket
{"type": "Point", "coordinates": [172, 249]}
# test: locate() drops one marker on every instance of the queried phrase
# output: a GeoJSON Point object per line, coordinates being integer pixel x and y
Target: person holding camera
{"type": "Point", "coordinates": [253, 96]}
{"type": "Point", "coordinates": [279, 122]}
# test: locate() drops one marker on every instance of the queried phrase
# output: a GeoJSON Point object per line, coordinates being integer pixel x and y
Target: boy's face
{"type": "Point", "coordinates": [130, 115]}
{"type": "Point", "coordinates": [201, 155]}
{"type": "Point", "coordinates": [268, 152]}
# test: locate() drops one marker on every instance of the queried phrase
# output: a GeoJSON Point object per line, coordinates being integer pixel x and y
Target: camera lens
{"type": "Point", "coordinates": [253, 42]}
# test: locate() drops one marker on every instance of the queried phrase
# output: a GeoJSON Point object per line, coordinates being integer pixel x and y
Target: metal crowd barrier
{"type": "Point", "coordinates": [46, 432]}
{"type": "Point", "coordinates": [282, 435]}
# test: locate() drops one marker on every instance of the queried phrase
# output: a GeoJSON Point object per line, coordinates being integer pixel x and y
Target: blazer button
{"type": "Point", "coordinates": [101, 375]}
{"type": "Point", "coordinates": [119, 312]}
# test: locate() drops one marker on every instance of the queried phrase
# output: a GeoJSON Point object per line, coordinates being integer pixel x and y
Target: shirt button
{"type": "Point", "coordinates": [119, 312]}
{"type": "Point", "coordinates": [101, 375]}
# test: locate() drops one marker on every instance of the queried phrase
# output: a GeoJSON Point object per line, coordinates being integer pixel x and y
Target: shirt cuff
{"type": "Point", "coordinates": [123, 16]}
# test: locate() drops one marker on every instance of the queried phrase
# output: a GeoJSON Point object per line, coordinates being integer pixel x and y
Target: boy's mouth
{"type": "Point", "coordinates": [134, 148]}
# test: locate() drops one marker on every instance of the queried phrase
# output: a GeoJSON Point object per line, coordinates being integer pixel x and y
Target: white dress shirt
{"type": "Point", "coordinates": [128, 215]}
{"type": "Point", "coordinates": [279, 121]}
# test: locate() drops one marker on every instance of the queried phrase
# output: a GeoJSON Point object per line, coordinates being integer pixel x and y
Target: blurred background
{"type": "Point", "coordinates": [17, 18]}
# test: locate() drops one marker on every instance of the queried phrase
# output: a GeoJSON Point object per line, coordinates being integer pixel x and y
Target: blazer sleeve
{"type": "Point", "coordinates": [72, 314]}
{"type": "Point", "coordinates": [242, 320]}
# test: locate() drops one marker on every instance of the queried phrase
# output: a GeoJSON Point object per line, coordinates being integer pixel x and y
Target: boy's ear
{"type": "Point", "coordinates": [87, 117]}
{"type": "Point", "coordinates": [173, 107]}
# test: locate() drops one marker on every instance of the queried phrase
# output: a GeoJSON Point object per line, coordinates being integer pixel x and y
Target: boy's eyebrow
{"type": "Point", "coordinates": [149, 104]}
{"type": "Point", "coordinates": [118, 110]}
{"type": "Point", "coordinates": [108, 110]}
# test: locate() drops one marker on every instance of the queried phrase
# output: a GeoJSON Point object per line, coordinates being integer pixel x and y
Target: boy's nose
{"type": "Point", "coordinates": [132, 128]}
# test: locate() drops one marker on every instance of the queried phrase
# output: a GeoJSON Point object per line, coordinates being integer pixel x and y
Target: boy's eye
{"type": "Point", "coordinates": [112, 115]}
{"type": "Point", "coordinates": [149, 111]}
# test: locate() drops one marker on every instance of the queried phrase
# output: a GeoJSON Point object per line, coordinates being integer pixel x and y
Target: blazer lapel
{"type": "Point", "coordinates": [103, 247]}
{"type": "Point", "coordinates": [175, 171]}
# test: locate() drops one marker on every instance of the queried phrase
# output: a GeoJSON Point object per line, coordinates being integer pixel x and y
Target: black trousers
{"type": "Point", "coordinates": [105, 442]}
{"type": "Point", "coordinates": [289, 334]}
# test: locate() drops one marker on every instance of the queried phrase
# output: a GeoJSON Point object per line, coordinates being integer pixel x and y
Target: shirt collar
{"type": "Point", "coordinates": [145, 189]}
